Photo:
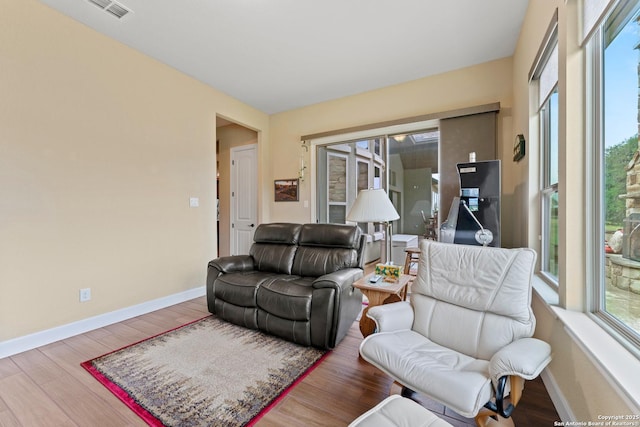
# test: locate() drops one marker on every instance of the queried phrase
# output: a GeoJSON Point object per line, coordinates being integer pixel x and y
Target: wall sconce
{"type": "Point", "coordinates": [301, 173]}
{"type": "Point", "coordinates": [518, 148]}
{"type": "Point", "coordinates": [302, 168]}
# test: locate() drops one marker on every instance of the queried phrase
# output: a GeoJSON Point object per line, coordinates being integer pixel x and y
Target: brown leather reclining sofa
{"type": "Point", "coordinates": [295, 283]}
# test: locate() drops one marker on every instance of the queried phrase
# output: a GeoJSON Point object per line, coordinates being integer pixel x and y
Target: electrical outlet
{"type": "Point", "coordinates": [85, 294]}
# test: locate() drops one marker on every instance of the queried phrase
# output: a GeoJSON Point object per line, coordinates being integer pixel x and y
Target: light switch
{"type": "Point", "coordinates": [305, 204]}
{"type": "Point", "coordinates": [194, 202]}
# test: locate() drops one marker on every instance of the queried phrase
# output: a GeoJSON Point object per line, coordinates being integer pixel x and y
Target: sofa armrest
{"type": "Point", "coordinates": [525, 358]}
{"type": "Point", "coordinates": [338, 279]}
{"type": "Point", "coordinates": [392, 317]}
{"type": "Point", "coordinates": [230, 264]}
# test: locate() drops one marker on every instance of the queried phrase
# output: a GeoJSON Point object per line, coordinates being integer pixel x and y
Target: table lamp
{"type": "Point", "coordinates": [373, 205]}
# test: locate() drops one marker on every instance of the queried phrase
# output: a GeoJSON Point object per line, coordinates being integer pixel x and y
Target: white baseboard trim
{"type": "Point", "coordinates": [562, 406]}
{"type": "Point", "coordinates": [38, 339]}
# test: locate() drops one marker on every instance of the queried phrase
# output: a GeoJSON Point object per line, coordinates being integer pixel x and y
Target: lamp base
{"type": "Point", "coordinates": [388, 239]}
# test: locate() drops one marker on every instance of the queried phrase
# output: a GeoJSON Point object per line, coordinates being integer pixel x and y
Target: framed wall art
{"type": "Point", "coordinates": [286, 190]}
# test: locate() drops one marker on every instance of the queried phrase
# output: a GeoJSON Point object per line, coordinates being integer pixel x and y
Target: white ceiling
{"type": "Point", "coordinates": [277, 55]}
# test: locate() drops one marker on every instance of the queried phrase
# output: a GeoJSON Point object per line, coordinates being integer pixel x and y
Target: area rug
{"type": "Point", "coordinates": [207, 373]}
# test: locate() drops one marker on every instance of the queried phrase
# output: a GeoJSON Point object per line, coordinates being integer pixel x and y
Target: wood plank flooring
{"type": "Point", "coordinates": [47, 387]}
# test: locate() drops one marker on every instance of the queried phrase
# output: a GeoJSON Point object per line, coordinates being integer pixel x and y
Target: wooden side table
{"type": "Point", "coordinates": [380, 293]}
{"type": "Point", "coordinates": [413, 256]}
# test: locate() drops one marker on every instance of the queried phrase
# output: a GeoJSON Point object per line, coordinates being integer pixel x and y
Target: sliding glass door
{"type": "Point", "coordinates": [414, 180]}
{"type": "Point", "coordinates": [343, 170]}
{"type": "Point", "coordinates": [406, 165]}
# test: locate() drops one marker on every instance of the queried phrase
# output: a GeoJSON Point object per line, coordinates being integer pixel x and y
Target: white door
{"type": "Point", "coordinates": [244, 197]}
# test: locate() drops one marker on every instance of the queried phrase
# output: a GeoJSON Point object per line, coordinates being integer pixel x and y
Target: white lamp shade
{"type": "Point", "coordinates": [372, 205]}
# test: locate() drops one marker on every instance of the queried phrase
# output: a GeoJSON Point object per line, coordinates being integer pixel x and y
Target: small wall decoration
{"type": "Point", "coordinates": [286, 190]}
{"type": "Point", "coordinates": [518, 148]}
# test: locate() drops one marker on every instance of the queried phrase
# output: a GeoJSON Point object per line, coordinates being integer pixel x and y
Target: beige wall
{"type": "Point", "coordinates": [100, 149]}
{"type": "Point", "coordinates": [468, 87]}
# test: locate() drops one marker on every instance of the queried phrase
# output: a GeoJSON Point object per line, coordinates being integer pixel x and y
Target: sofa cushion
{"type": "Point", "coordinates": [316, 262]}
{"type": "Point", "coordinates": [244, 316]}
{"type": "Point", "coordinates": [273, 258]}
{"type": "Point", "coordinates": [330, 235]}
{"type": "Point", "coordinates": [291, 330]}
{"type": "Point", "coordinates": [425, 366]}
{"type": "Point", "coordinates": [286, 299]}
{"type": "Point", "coordinates": [325, 248]}
{"type": "Point", "coordinates": [240, 288]}
{"type": "Point", "coordinates": [279, 233]}
{"type": "Point", "coordinates": [275, 246]}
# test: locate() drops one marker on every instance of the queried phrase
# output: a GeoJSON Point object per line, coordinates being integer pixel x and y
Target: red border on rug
{"type": "Point", "coordinates": [121, 394]}
{"type": "Point", "coordinates": [286, 391]}
{"type": "Point", "coordinates": [151, 419]}
{"type": "Point", "coordinates": [147, 416]}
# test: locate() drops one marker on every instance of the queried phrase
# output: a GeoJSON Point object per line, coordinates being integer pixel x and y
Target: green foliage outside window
{"type": "Point", "coordinates": [616, 158]}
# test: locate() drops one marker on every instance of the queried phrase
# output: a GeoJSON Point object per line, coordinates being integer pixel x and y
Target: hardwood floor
{"type": "Point", "coordinates": [47, 387]}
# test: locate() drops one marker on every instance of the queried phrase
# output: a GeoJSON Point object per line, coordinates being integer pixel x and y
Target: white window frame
{"type": "Point", "coordinates": [596, 285]}
{"type": "Point", "coordinates": [548, 189]}
{"type": "Point", "coordinates": [543, 79]}
{"type": "Point", "coordinates": [344, 203]}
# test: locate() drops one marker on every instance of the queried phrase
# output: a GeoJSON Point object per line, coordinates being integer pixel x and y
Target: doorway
{"type": "Point", "coordinates": [414, 176]}
{"type": "Point", "coordinates": [232, 136]}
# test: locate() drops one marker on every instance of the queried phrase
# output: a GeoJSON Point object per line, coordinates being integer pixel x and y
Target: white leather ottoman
{"type": "Point", "coordinates": [397, 411]}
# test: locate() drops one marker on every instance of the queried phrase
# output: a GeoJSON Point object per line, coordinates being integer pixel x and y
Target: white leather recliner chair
{"type": "Point", "coordinates": [464, 339]}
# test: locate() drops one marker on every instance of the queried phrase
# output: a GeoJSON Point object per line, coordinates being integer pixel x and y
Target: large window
{"type": "Point", "coordinates": [613, 79]}
{"type": "Point", "coordinates": [544, 84]}
{"type": "Point", "coordinates": [549, 132]}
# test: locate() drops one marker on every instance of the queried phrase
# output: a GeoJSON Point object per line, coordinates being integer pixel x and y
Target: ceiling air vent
{"type": "Point", "coordinates": [115, 9]}
{"type": "Point", "coordinates": [101, 3]}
